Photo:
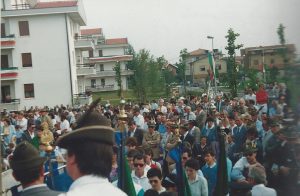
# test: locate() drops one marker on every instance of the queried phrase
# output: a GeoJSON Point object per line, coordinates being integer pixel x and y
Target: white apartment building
{"type": "Point", "coordinates": [95, 65]}
{"type": "Point", "coordinates": [38, 52]}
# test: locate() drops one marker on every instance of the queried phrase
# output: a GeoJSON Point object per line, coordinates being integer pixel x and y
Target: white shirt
{"type": "Point", "coordinates": [23, 124]}
{"type": "Point", "coordinates": [163, 109]}
{"type": "Point", "coordinates": [262, 190]}
{"type": "Point", "coordinates": [143, 181]}
{"type": "Point", "coordinates": [92, 185]}
{"type": "Point", "coordinates": [139, 121]}
{"type": "Point", "coordinates": [65, 125]}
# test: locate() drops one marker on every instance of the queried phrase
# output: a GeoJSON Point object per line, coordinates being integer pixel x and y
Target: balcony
{"type": "Point", "coordinates": [8, 42]}
{"type": "Point", "coordinates": [104, 59]}
{"type": "Point", "coordinates": [111, 73]}
{"type": "Point", "coordinates": [84, 43]}
{"type": "Point", "coordinates": [11, 105]}
{"type": "Point", "coordinates": [83, 71]}
{"type": "Point", "coordinates": [9, 73]}
{"type": "Point", "coordinates": [100, 88]}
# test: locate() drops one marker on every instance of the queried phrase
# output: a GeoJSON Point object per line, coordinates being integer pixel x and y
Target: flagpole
{"type": "Point", "coordinates": [214, 64]}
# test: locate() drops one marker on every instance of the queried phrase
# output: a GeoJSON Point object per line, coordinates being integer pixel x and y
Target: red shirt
{"type": "Point", "coordinates": [261, 96]}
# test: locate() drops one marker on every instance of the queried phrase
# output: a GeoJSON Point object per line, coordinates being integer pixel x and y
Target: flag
{"type": "Point", "coordinates": [183, 185]}
{"type": "Point", "coordinates": [222, 178]}
{"type": "Point", "coordinates": [213, 73]}
{"type": "Point", "coordinates": [125, 182]}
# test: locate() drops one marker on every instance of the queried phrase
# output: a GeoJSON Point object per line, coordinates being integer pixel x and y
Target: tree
{"type": "Point", "coordinates": [182, 67]}
{"type": "Point", "coordinates": [283, 50]}
{"type": "Point", "coordinates": [231, 63]}
{"type": "Point", "coordinates": [118, 78]}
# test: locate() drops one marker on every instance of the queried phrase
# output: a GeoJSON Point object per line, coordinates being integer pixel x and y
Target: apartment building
{"type": "Point", "coordinates": [38, 61]}
{"type": "Point", "coordinates": [95, 67]}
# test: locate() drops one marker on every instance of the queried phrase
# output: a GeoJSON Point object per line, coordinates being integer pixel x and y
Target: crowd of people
{"type": "Point", "coordinates": [261, 131]}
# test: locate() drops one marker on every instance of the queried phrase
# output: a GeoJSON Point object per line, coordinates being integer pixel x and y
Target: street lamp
{"type": "Point", "coordinates": [214, 67]}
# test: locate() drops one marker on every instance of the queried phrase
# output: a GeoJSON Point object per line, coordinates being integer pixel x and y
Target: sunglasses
{"type": "Point", "coordinates": [153, 181]}
{"type": "Point", "coordinates": [184, 158]}
{"type": "Point", "coordinates": [138, 165]}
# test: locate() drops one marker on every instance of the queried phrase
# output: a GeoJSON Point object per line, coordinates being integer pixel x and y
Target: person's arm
{"type": "Point", "coordinates": [204, 187]}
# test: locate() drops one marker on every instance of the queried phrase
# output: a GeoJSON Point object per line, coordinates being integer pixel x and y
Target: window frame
{"type": "Point", "coordinates": [24, 28]}
{"type": "Point", "coordinates": [29, 93]}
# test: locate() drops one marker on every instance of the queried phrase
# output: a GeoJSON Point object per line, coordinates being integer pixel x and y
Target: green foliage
{"type": "Point", "coordinates": [181, 77]}
{"type": "Point", "coordinates": [281, 35]}
{"type": "Point", "coordinates": [148, 80]}
{"type": "Point", "coordinates": [118, 78]}
{"type": "Point", "coordinates": [231, 63]}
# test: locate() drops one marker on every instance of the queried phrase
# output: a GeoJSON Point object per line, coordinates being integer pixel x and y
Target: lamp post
{"type": "Point", "coordinates": [214, 66]}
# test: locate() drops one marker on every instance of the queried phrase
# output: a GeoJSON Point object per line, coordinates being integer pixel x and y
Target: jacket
{"type": "Point", "coordinates": [40, 190]}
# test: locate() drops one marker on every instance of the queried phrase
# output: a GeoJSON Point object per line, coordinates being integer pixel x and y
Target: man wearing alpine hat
{"type": "Point", "coordinates": [89, 155]}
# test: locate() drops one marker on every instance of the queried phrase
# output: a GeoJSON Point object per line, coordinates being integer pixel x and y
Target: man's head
{"type": "Point", "coordinates": [155, 178]}
{"type": "Point", "coordinates": [186, 155]}
{"type": "Point", "coordinates": [209, 157]}
{"type": "Point", "coordinates": [257, 174]}
{"type": "Point", "coordinates": [139, 165]}
{"type": "Point", "coordinates": [238, 121]}
{"type": "Point", "coordinates": [250, 156]}
{"type": "Point", "coordinates": [130, 155]}
{"type": "Point", "coordinates": [210, 122]}
{"type": "Point", "coordinates": [27, 165]}
{"type": "Point", "coordinates": [191, 168]}
{"type": "Point", "coordinates": [131, 143]}
{"type": "Point", "coordinates": [89, 146]}
{"type": "Point", "coordinates": [203, 140]}
{"type": "Point", "coordinates": [131, 126]}
{"type": "Point", "coordinates": [187, 109]}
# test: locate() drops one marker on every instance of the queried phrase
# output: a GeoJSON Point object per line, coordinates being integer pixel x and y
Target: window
{"type": "Point", "coordinates": [29, 90]}
{"type": "Point", "coordinates": [26, 60]}
{"type": "Point", "coordinates": [102, 82]}
{"type": "Point", "coordinates": [23, 28]}
{"type": "Point", "coordinates": [91, 53]}
{"type": "Point", "coordinates": [255, 62]}
{"type": "Point", "coordinates": [202, 68]}
{"type": "Point", "coordinates": [101, 67]}
{"type": "Point", "coordinates": [93, 83]}
{"type": "Point", "coordinates": [218, 67]}
{"type": "Point", "coordinates": [100, 53]}
{"type": "Point", "coordinates": [4, 61]}
{"type": "Point", "coordinates": [3, 30]}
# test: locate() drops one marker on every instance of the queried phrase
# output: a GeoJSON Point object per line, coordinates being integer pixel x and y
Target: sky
{"type": "Point", "coordinates": [166, 26]}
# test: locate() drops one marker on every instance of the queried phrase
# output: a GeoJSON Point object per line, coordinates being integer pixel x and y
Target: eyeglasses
{"type": "Point", "coordinates": [153, 181]}
{"type": "Point", "coordinates": [138, 165]}
{"type": "Point", "coordinates": [184, 158]}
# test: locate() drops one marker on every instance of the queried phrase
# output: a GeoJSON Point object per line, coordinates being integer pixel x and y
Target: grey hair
{"type": "Point", "coordinates": [258, 173]}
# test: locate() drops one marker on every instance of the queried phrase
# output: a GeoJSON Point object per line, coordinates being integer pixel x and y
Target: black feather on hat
{"type": "Point", "coordinates": [91, 127]}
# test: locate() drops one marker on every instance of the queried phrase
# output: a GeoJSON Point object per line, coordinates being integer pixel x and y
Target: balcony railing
{"type": "Point", "coordinates": [9, 73]}
{"type": "Point", "coordinates": [99, 88]}
{"type": "Point", "coordinates": [82, 71]}
{"type": "Point", "coordinates": [113, 73]}
{"type": "Point", "coordinates": [84, 42]}
{"type": "Point", "coordinates": [10, 105]}
{"type": "Point", "coordinates": [8, 41]}
{"type": "Point", "coordinates": [82, 99]}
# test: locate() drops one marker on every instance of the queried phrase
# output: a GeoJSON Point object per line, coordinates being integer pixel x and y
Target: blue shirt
{"type": "Point", "coordinates": [210, 173]}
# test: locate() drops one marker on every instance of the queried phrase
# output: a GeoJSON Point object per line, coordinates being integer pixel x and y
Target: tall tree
{"type": "Point", "coordinates": [231, 63]}
{"type": "Point", "coordinates": [283, 50]}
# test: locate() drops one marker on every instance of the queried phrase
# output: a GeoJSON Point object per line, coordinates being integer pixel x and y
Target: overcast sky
{"type": "Point", "coordinates": [166, 26]}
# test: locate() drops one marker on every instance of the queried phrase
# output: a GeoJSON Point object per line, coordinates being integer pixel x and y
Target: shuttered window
{"type": "Point", "coordinates": [23, 28]}
{"type": "Point", "coordinates": [26, 60]}
{"type": "Point", "coordinates": [29, 90]}
{"type": "Point", "coordinates": [4, 61]}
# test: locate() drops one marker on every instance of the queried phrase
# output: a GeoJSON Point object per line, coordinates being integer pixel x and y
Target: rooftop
{"type": "Point", "coordinates": [198, 52]}
{"type": "Point", "coordinates": [94, 31]}
{"type": "Point", "coordinates": [116, 41]}
{"type": "Point", "coordinates": [52, 4]}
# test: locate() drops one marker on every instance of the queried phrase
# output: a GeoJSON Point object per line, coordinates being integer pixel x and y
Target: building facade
{"type": "Point", "coordinates": [95, 66]}
{"type": "Point", "coordinates": [198, 65]}
{"type": "Point", "coordinates": [271, 56]}
{"type": "Point", "coordinates": [38, 62]}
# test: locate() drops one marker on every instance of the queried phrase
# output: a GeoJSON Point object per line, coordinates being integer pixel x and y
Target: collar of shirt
{"type": "Point", "coordinates": [34, 186]}
{"type": "Point", "coordinates": [136, 177]}
{"type": "Point", "coordinates": [258, 186]}
{"type": "Point", "coordinates": [213, 165]}
{"type": "Point", "coordinates": [185, 134]}
{"type": "Point", "coordinates": [195, 180]}
{"type": "Point", "coordinates": [87, 179]}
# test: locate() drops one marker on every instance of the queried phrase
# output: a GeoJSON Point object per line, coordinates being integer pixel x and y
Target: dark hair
{"type": "Point", "coordinates": [168, 194]}
{"type": "Point", "coordinates": [188, 151]}
{"type": "Point", "coordinates": [151, 192]}
{"type": "Point", "coordinates": [210, 119]}
{"type": "Point", "coordinates": [92, 157]}
{"type": "Point", "coordinates": [192, 163]}
{"type": "Point", "coordinates": [26, 176]}
{"type": "Point", "coordinates": [132, 122]}
{"type": "Point", "coordinates": [252, 131]}
{"type": "Point", "coordinates": [139, 156]}
{"type": "Point", "coordinates": [154, 172]}
{"type": "Point", "coordinates": [131, 141]}
{"type": "Point", "coordinates": [209, 151]}
{"type": "Point", "coordinates": [7, 121]}
{"type": "Point", "coordinates": [132, 153]}
{"type": "Point", "coordinates": [148, 151]}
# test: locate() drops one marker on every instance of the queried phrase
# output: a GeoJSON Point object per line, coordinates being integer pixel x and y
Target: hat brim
{"type": "Point", "coordinates": [101, 134]}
